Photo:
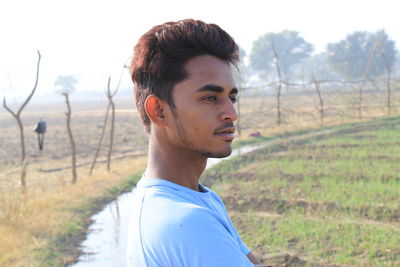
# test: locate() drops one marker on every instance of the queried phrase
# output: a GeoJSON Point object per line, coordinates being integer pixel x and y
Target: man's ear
{"type": "Point", "coordinates": [154, 108]}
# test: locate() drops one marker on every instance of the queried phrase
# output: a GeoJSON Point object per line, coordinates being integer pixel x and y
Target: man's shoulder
{"type": "Point", "coordinates": [174, 210]}
{"type": "Point", "coordinates": [174, 220]}
{"type": "Point", "coordinates": [164, 196]}
{"type": "Point", "coordinates": [162, 192]}
{"type": "Point", "coordinates": [174, 205]}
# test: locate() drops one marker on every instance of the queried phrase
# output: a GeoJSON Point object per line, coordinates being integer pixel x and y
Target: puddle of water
{"type": "Point", "coordinates": [105, 245]}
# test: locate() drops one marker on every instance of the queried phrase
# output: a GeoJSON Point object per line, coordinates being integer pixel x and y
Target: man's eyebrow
{"type": "Point", "coordinates": [216, 88]}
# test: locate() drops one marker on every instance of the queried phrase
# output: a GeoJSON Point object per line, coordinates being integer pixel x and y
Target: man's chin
{"type": "Point", "coordinates": [217, 154]}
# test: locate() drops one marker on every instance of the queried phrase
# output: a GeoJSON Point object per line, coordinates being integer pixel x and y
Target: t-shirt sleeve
{"type": "Point", "coordinates": [242, 245]}
{"type": "Point", "coordinates": [245, 250]}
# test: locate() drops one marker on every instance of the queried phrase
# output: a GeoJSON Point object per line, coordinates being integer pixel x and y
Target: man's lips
{"type": "Point", "coordinates": [226, 133]}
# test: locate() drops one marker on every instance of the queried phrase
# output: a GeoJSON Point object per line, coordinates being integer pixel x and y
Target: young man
{"type": "Point", "coordinates": [185, 95]}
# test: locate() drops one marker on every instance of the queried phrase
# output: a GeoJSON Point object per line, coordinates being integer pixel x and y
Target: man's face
{"type": "Point", "coordinates": [202, 120]}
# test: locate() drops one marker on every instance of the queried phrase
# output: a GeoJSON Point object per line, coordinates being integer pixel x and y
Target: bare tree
{"type": "Point", "coordinates": [111, 103]}
{"type": "Point", "coordinates": [103, 130]}
{"type": "Point", "coordinates": [279, 88]}
{"type": "Point", "coordinates": [238, 126]}
{"type": "Point", "coordinates": [321, 101]}
{"type": "Point", "coordinates": [240, 83]}
{"type": "Point", "coordinates": [71, 137]}
{"type": "Point", "coordinates": [68, 84]}
{"type": "Point", "coordinates": [111, 106]}
{"type": "Point", "coordinates": [366, 73]}
{"type": "Point", "coordinates": [17, 116]}
{"type": "Point", "coordinates": [389, 91]}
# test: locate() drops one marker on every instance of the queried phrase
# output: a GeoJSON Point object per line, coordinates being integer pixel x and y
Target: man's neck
{"type": "Point", "coordinates": [177, 166]}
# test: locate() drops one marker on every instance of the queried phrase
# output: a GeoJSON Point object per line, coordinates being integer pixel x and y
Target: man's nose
{"type": "Point", "coordinates": [229, 112]}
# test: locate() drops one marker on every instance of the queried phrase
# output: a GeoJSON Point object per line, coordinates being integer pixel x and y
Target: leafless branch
{"type": "Point", "coordinates": [17, 116]}
{"type": "Point", "coordinates": [366, 73]}
{"type": "Point", "coordinates": [103, 130]}
{"type": "Point", "coordinates": [321, 101]}
{"type": "Point", "coordinates": [389, 104]}
{"type": "Point", "coordinates": [279, 88]}
{"type": "Point", "coordinates": [111, 103]}
{"type": "Point", "coordinates": [71, 137]}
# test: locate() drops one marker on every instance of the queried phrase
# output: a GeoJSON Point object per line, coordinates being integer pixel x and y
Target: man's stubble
{"type": "Point", "coordinates": [189, 144]}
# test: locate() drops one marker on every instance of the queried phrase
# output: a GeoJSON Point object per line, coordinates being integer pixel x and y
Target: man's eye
{"type": "Point", "coordinates": [234, 99]}
{"type": "Point", "coordinates": [210, 98]}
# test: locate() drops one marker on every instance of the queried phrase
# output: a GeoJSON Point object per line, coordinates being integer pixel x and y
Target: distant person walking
{"type": "Point", "coordinates": [41, 130]}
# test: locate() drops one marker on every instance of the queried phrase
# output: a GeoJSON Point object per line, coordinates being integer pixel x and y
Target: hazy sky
{"type": "Point", "coordinates": [92, 39]}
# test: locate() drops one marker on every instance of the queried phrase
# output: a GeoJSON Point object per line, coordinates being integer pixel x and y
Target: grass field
{"type": "Point", "coordinates": [330, 199]}
{"type": "Point", "coordinates": [55, 212]}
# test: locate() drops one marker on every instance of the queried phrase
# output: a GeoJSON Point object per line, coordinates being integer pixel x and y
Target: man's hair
{"type": "Point", "coordinates": [160, 54]}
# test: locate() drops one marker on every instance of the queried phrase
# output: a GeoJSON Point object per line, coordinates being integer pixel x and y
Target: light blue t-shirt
{"type": "Point", "coordinates": [174, 226]}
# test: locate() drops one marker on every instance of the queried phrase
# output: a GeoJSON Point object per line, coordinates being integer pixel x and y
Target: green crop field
{"type": "Point", "coordinates": [327, 199]}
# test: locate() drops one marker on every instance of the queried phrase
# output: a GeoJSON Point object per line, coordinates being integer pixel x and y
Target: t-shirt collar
{"type": "Point", "coordinates": [149, 182]}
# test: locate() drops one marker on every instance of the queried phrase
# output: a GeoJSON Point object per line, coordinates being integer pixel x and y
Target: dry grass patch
{"type": "Point", "coordinates": [30, 225]}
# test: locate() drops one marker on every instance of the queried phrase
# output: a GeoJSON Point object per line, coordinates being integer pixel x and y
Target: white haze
{"type": "Point", "coordinates": [92, 39]}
